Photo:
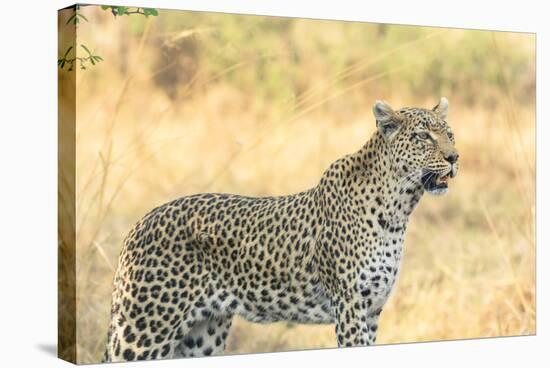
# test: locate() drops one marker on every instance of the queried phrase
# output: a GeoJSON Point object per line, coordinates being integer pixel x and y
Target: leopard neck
{"type": "Point", "coordinates": [376, 169]}
{"type": "Point", "coordinates": [371, 183]}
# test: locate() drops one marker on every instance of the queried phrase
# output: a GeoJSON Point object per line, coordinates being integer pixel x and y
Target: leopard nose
{"type": "Point", "coordinates": [452, 157]}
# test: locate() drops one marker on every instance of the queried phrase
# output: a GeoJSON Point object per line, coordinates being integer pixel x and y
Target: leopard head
{"type": "Point", "coordinates": [421, 144]}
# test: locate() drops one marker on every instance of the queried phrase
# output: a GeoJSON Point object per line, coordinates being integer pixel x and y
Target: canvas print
{"type": "Point", "coordinates": [240, 183]}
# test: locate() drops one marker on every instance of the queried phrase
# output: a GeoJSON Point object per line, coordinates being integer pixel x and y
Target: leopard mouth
{"type": "Point", "coordinates": [435, 183]}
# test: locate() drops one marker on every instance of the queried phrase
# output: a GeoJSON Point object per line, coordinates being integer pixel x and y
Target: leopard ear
{"type": "Point", "coordinates": [442, 108]}
{"type": "Point", "coordinates": [387, 121]}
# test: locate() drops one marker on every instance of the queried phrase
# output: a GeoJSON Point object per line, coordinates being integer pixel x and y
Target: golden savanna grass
{"type": "Point", "coordinates": [197, 102]}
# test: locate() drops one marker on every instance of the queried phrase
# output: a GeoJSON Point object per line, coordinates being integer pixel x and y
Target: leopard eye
{"type": "Point", "coordinates": [450, 135]}
{"type": "Point", "coordinates": [423, 135]}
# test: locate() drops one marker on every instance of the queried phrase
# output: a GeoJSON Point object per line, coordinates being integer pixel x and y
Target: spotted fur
{"type": "Point", "coordinates": [330, 254]}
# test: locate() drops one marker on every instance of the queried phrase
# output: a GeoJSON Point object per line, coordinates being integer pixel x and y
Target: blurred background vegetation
{"type": "Point", "coordinates": [188, 102]}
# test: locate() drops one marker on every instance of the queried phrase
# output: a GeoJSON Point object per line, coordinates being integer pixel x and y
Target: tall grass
{"type": "Point", "coordinates": [196, 102]}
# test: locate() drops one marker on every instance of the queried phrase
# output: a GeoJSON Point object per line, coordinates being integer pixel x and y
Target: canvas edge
{"type": "Point", "coordinates": [66, 200]}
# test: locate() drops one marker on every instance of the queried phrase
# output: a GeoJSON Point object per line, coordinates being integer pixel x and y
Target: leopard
{"type": "Point", "coordinates": [327, 255]}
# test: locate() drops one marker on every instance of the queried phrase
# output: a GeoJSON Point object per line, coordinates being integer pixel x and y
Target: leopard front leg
{"type": "Point", "coordinates": [355, 326]}
{"type": "Point", "coordinates": [372, 326]}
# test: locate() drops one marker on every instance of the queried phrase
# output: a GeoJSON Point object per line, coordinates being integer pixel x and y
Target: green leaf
{"type": "Point", "coordinates": [97, 57]}
{"type": "Point", "coordinates": [85, 48]}
{"type": "Point", "coordinates": [71, 18]}
{"type": "Point", "coordinates": [120, 10]}
{"type": "Point", "coordinates": [105, 7]}
{"type": "Point", "coordinates": [150, 11]}
{"type": "Point", "coordinates": [67, 52]}
{"type": "Point", "coordinates": [82, 16]}
{"type": "Point", "coordinates": [62, 63]}
{"type": "Point", "coordinates": [92, 61]}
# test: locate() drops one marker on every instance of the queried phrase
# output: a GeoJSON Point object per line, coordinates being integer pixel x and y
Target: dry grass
{"type": "Point", "coordinates": [468, 269]}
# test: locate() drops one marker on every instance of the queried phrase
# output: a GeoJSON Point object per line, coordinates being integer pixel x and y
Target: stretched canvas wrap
{"type": "Point", "coordinates": [238, 183]}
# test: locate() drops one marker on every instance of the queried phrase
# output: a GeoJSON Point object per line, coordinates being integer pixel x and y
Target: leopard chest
{"type": "Point", "coordinates": [379, 271]}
